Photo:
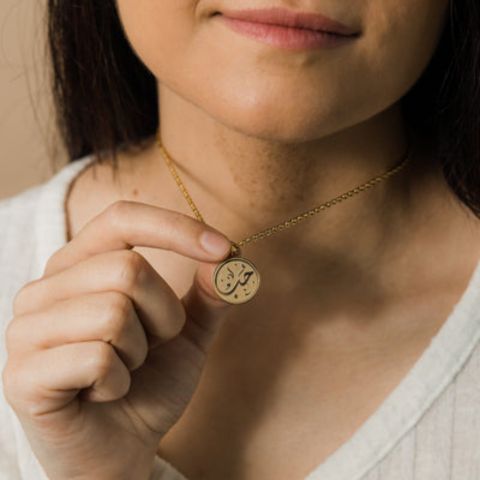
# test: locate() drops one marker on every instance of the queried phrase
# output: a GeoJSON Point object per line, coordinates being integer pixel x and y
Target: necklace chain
{"type": "Point", "coordinates": [293, 220]}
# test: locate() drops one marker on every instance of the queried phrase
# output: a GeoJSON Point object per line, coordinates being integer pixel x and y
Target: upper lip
{"type": "Point", "coordinates": [291, 18]}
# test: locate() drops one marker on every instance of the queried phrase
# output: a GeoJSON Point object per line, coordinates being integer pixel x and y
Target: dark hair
{"type": "Point", "coordinates": [106, 99]}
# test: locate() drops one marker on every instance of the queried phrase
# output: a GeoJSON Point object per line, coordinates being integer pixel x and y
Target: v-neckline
{"type": "Point", "coordinates": [433, 370]}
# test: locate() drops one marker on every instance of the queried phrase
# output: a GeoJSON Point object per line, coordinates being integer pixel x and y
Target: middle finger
{"type": "Point", "coordinates": [124, 271]}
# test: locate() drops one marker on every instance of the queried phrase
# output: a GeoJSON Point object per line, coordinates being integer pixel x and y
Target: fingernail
{"type": "Point", "coordinates": [214, 243]}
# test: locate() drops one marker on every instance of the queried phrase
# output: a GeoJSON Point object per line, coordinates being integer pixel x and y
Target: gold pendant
{"type": "Point", "coordinates": [236, 279]}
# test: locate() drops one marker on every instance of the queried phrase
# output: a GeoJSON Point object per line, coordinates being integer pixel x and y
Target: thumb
{"type": "Point", "coordinates": [205, 310]}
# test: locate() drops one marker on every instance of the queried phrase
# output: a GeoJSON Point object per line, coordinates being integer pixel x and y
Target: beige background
{"type": "Point", "coordinates": [27, 134]}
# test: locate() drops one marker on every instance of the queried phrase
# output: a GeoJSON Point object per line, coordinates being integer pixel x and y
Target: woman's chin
{"type": "Point", "coordinates": [274, 124]}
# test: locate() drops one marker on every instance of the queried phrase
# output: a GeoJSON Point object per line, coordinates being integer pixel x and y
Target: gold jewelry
{"type": "Point", "coordinates": [236, 279]}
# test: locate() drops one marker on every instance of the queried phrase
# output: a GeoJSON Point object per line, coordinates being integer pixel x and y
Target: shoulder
{"type": "Point", "coordinates": [17, 211]}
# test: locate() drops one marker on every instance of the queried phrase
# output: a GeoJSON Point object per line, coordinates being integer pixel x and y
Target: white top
{"type": "Point", "coordinates": [427, 428]}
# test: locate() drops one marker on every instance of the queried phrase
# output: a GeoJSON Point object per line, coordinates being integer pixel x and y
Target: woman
{"type": "Point", "coordinates": [357, 356]}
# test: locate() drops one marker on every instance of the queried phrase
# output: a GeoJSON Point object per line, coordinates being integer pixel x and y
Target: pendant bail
{"type": "Point", "coordinates": [235, 250]}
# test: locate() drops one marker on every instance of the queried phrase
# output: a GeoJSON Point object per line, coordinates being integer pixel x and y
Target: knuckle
{"type": "Point", "coordinates": [131, 268]}
{"type": "Point", "coordinates": [20, 300]}
{"type": "Point", "coordinates": [102, 359]}
{"type": "Point", "coordinates": [116, 315]}
{"type": "Point", "coordinates": [117, 212]}
{"type": "Point", "coordinates": [118, 303]}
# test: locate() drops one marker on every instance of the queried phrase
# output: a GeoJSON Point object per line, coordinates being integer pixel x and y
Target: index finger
{"type": "Point", "coordinates": [125, 224]}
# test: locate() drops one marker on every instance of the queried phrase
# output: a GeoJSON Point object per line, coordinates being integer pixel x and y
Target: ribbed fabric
{"type": "Point", "coordinates": [427, 428]}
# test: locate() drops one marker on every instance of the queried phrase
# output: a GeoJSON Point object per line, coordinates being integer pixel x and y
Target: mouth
{"type": "Point", "coordinates": [293, 19]}
{"type": "Point", "coordinates": [287, 29]}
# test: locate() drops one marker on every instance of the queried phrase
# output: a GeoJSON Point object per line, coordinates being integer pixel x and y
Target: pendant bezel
{"type": "Point", "coordinates": [234, 298]}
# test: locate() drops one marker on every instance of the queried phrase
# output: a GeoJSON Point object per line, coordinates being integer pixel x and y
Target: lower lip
{"type": "Point", "coordinates": [290, 38]}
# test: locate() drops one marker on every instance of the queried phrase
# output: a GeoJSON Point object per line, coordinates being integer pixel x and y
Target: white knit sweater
{"type": "Point", "coordinates": [428, 427]}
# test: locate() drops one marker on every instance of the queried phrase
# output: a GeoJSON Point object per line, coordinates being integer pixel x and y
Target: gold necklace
{"type": "Point", "coordinates": [236, 279]}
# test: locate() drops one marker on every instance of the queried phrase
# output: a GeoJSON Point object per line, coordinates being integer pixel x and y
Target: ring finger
{"type": "Point", "coordinates": [106, 316]}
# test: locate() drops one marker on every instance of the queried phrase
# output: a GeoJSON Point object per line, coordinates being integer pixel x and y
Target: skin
{"type": "Point", "coordinates": [350, 299]}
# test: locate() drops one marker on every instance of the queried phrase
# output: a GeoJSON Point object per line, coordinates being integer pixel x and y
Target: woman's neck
{"type": "Point", "coordinates": [278, 177]}
{"type": "Point", "coordinates": [391, 236]}
{"type": "Point", "coordinates": [243, 184]}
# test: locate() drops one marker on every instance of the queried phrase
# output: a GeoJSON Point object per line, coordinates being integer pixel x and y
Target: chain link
{"type": "Point", "coordinates": [293, 220]}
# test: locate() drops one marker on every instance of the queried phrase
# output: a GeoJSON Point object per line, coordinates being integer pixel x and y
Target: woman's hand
{"type": "Point", "coordinates": [103, 357]}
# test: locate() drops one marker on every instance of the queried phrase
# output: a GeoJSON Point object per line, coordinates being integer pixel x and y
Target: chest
{"type": "Point", "coordinates": [275, 407]}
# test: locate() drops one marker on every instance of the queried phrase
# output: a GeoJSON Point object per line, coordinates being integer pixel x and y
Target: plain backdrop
{"type": "Point", "coordinates": [27, 133]}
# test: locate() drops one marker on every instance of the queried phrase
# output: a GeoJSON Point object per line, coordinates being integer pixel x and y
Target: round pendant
{"type": "Point", "coordinates": [236, 280]}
